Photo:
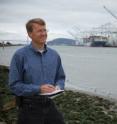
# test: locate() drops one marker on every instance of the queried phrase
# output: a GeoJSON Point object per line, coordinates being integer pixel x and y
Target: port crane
{"type": "Point", "coordinates": [109, 11]}
{"type": "Point", "coordinates": [112, 32]}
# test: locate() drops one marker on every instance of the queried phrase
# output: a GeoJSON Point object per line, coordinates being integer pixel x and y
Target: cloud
{"type": "Point", "coordinates": [60, 15]}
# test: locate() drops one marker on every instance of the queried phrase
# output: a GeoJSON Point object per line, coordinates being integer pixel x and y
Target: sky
{"type": "Point", "coordinates": [61, 16]}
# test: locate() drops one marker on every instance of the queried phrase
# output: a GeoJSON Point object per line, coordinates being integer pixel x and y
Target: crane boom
{"type": "Point", "coordinates": [110, 12]}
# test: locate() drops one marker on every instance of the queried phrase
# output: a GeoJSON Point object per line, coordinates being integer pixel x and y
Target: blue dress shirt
{"type": "Point", "coordinates": [30, 69]}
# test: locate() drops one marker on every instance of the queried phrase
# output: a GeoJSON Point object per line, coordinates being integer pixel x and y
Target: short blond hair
{"type": "Point", "coordinates": [29, 24]}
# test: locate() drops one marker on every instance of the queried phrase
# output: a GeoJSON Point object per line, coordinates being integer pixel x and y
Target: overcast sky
{"type": "Point", "coordinates": [60, 15]}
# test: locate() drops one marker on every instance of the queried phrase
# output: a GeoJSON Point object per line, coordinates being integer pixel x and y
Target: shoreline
{"type": "Point", "coordinates": [93, 94]}
{"type": "Point", "coordinates": [7, 45]}
{"type": "Point", "coordinates": [78, 107]}
{"type": "Point", "coordinates": [77, 90]}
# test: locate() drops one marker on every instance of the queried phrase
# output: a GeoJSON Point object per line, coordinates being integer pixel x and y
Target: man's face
{"type": "Point", "coordinates": [39, 34]}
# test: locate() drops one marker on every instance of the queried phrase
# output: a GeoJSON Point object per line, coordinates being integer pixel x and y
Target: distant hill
{"type": "Point", "coordinates": [62, 41]}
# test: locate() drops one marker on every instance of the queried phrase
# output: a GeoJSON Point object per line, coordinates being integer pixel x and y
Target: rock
{"type": "Point", "coordinates": [77, 107]}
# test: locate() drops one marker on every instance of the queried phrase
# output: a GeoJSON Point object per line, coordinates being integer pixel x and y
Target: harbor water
{"type": "Point", "coordinates": [89, 69]}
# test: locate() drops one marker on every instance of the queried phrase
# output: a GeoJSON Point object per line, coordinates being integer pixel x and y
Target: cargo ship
{"type": "Point", "coordinates": [96, 41]}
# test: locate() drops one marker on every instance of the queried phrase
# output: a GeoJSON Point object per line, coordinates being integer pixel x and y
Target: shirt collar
{"type": "Point", "coordinates": [37, 50]}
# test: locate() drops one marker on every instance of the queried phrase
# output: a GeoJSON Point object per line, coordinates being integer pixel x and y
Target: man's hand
{"type": "Point", "coordinates": [47, 88]}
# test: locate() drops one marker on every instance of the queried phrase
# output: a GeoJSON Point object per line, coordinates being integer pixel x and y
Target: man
{"type": "Point", "coordinates": [36, 69]}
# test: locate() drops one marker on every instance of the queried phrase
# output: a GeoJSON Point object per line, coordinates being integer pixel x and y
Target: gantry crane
{"type": "Point", "coordinates": [110, 12]}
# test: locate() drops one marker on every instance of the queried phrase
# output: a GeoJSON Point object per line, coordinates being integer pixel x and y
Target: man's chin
{"type": "Point", "coordinates": [43, 40]}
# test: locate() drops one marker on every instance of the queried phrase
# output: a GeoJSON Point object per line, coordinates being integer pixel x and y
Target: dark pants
{"type": "Point", "coordinates": [39, 110]}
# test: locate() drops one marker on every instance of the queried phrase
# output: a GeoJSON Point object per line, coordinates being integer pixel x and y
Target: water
{"type": "Point", "coordinates": [87, 68]}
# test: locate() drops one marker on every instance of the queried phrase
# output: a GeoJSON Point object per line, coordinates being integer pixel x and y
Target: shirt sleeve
{"type": "Point", "coordinates": [60, 76]}
{"type": "Point", "coordinates": [16, 83]}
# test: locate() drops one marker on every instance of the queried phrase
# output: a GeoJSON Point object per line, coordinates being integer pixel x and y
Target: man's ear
{"type": "Point", "coordinates": [30, 34]}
